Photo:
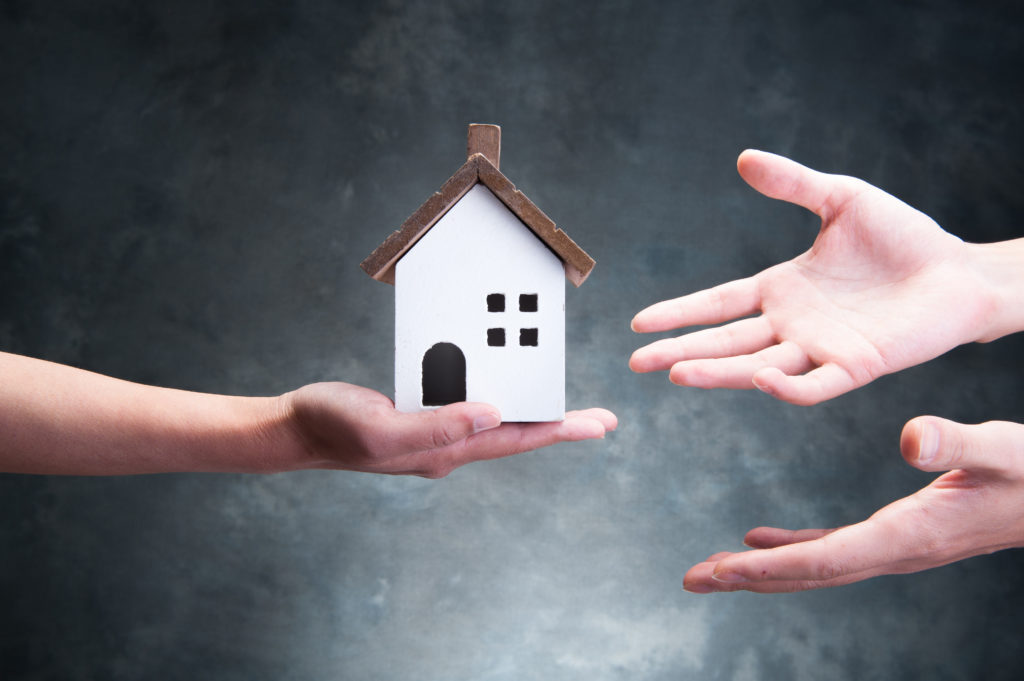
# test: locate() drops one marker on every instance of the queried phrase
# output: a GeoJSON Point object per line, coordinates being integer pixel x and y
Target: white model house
{"type": "Point", "coordinates": [479, 294]}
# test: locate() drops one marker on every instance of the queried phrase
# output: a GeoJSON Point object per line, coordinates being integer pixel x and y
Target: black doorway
{"type": "Point", "coordinates": [444, 375]}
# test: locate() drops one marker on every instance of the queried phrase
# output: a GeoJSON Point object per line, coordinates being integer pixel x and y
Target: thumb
{"type": "Point", "coordinates": [445, 426]}
{"type": "Point", "coordinates": [778, 177]}
{"type": "Point", "coordinates": [931, 443]}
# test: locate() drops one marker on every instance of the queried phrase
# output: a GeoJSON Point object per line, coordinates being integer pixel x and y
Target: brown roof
{"type": "Point", "coordinates": [484, 149]}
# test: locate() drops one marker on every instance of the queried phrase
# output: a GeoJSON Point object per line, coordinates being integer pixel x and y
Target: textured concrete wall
{"type": "Point", "coordinates": [187, 188]}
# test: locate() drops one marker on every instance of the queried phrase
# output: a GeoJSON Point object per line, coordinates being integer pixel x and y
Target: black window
{"type": "Point", "coordinates": [527, 302]}
{"type": "Point", "coordinates": [528, 337]}
{"type": "Point", "coordinates": [496, 303]}
{"type": "Point", "coordinates": [496, 337]}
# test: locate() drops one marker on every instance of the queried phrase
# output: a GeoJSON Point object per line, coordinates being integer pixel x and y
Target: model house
{"type": "Point", "coordinates": [479, 276]}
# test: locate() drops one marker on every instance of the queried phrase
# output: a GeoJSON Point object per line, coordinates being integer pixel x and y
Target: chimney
{"type": "Point", "coordinates": [485, 139]}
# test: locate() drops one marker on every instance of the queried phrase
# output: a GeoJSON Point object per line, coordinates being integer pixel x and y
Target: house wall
{"type": "Point", "coordinates": [441, 286]}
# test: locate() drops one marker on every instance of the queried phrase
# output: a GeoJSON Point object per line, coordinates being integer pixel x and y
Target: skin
{"type": "Point", "coordinates": [56, 419]}
{"type": "Point", "coordinates": [972, 509]}
{"type": "Point", "coordinates": [873, 295]}
{"type": "Point", "coordinates": [882, 288]}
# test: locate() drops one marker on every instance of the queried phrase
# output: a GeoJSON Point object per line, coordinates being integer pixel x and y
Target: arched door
{"type": "Point", "coordinates": [444, 375]}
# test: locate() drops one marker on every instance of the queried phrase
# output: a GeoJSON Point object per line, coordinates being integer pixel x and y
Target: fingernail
{"type": "Point", "coordinates": [766, 389]}
{"type": "Point", "coordinates": [486, 422]}
{"type": "Point", "coordinates": [929, 443]}
{"type": "Point", "coordinates": [728, 577]}
{"type": "Point", "coordinates": [698, 588]}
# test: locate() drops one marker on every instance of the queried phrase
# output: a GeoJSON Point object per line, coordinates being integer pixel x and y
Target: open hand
{"type": "Point", "coordinates": [882, 288]}
{"type": "Point", "coordinates": [347, 427]}
{"type": "Point", "coordinates": [973, 509]}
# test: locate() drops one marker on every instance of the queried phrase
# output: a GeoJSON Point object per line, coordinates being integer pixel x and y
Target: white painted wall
{"type": "Point", "coordinates": [477, 248]}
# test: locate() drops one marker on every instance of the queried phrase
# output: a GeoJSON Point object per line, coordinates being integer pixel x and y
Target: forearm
{"type": "Point", "coordinates": [1000, 268]}
{"type": "Point", "coordinates": [55, 419]}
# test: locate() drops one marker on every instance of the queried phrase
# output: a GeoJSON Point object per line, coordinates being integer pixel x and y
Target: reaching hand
{"type": "Point", "coordinates": [973, 509]}
{"type": "Point", "coordinates": [882, 288]}
{"type": "Point", "coordinates": [348, 427]}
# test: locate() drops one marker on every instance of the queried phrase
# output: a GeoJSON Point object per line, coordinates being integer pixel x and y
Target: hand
{"type": "Point", "coordinates": [347, 427]}
{"type": "Point", "coordinates": [882, 288]}
{"type": "Point", "coordinates": [975, 508]}
{"type": "Point", "coordinates": [59, 420]}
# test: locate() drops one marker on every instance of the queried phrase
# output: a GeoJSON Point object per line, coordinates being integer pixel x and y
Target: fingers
{"type": "Point", "coordinates": [931, 443]}
{"type": "Point", "coordinates": [776, 177]}
{"type": "Point", "coordinates": [820, 384]}
{"type": "Point", "coordinates": [440, 428]}
{"type": "Point", "coordinates": [809, 559]}
{"type": "Point", "coordinates": [433, 444]}
{"type": "Point", "coordinates": [711, 306]}
{"type": "Point", "coordinates": [454, 423]}
{"type": "Point", "coordinates": [846, 551]}
{"type": "Point", "coordinates": [607, 419]}
{"type": "Point", "coordinates": [740, 356]}
{"type": "Point", "coordinates": [781, 178]}
{"type": "Point", "coordinates": [698, 579]}
{"type": "Point", "coordinates": [739, 338]}
{"type": "Point", "coordinates": [915, 533]}
{"type": "Point", "coordinates": [715, 557]}
{"type": "Point", "coordinates": [771, 537]}
{"type": "Point", "coordinates": [515, 438]}
{"type": "Point", "coordinates": [738, 372]}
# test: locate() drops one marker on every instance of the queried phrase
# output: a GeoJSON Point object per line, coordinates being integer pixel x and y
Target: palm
{"type": "Point", "coordinates": [874, 292]}
{"type": "Point", "coordinates": [958, 516]}
{"type": "Point", "coordinates": [965, 512]}
{"type": "Point", "coordinates": [349, 427]}
{"type": "Point", "coordinates": [882, 288]}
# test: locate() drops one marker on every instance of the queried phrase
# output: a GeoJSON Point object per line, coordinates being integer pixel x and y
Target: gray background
{"type": "Point", "coordinates": [187, 189]}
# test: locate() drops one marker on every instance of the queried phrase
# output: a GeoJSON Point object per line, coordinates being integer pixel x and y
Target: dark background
{"type": "Point", "coordinates": [187, 189]}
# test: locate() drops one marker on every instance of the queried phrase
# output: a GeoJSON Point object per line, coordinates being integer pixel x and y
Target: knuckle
{"type": "Point", "coordinates": [863, 371]}
{"type": "Point", "coordinates": [729, 337]}
{"type": "Point", "coordinates": [442, 435]}
{"type": "Point", "coordinates": [718, 301]}
{"type": "Point", "coordinates": [832, 562]}
{"type": "Point", "coordinates": [828, 569]}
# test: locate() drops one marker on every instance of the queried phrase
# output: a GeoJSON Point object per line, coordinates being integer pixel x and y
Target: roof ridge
{"type": "Point", "coordinates": [477, 170]}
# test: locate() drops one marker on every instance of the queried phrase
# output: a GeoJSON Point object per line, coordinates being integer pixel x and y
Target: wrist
{"type": "Point", "coordinates": [1000, 270]}
{"type": "Point", "coordinates": [228, 434]}
{"type": "Point", "coordinates": [278, 442]}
